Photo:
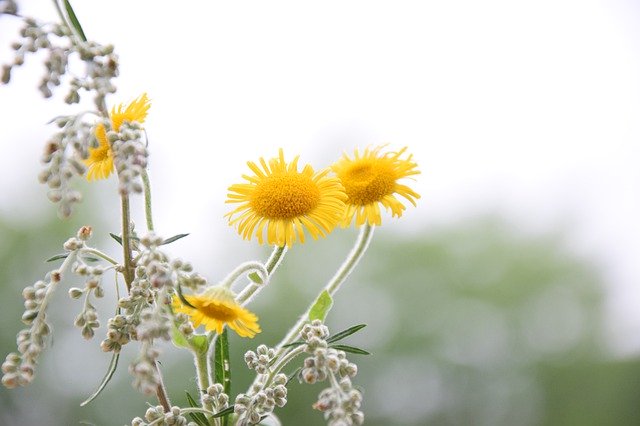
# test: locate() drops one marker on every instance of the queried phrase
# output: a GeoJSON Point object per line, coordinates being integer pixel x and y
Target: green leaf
{"type": "Point", "coordinates": [178, 339]}
{"type": "Point", "coordinates": [199, 418]}
{"type": "Point", "coordinates": [199, 342]}
{"type": "Point", "coordinates": [224, 412]}
{"type": "Point", "coordinates": [57, 257]}
{"type": "Point", "coordinates": [294, 344]}
{"type": "Point", "coordinates": [174, 238]}
{"type": "Point", "coordinates": [320, 309]}
{"type": "Point", "coordinates": [115, 237]}
{"type": "Point", "coordinates": [223, 365]}
{"type": "Point", "coordinates": [350, 349]}
{"type": "Point", "coordinates": [112, 369]}
{"type": "Point", "coordinates": [74, 20]}
{"type": "Point", "coordinates": [255, 277]}
{"type": "Point", "coordinates": [348, 332]}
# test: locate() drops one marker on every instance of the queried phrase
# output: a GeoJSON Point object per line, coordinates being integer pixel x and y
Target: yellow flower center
{"type": "Point", "coordinates": [100, 153]}
{"type": "Point", "coordinates": [218, 311]}
{"type": "Point", "coordinates": [285, 196]}
{"type": "Point", "coordinates": [368, 181]}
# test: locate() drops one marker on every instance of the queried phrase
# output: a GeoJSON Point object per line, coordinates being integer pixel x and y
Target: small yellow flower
{"type": "Point", "coordinates": [283, 201]}
{"type": "Point", "coordinates": [371, 180]}
{"type": "Point", "coordinates": [100, 161]}
{"type": "Point", "coordinates": [215, 308]}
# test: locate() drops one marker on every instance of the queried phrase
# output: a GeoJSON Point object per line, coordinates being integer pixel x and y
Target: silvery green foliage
{"type": "Point", "coordinates": [61, 46]}
{"type": "Point", "coordinates": [157, 416]}
{"type": "Point", "coordinates": [340, 402]}
{"type": "Point", "coordinates": [18, 368]}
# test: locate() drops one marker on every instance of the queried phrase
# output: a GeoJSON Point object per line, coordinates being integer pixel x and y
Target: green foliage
{"type": "Point", "coordinates": [321, 308]}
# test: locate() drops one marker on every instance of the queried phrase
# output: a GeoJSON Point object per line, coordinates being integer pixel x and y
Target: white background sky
{"type": "Point", "coordinates": [526, 108]}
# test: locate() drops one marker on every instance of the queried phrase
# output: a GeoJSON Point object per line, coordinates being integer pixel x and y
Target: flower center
{"type": "Point", "coordinates": [368, 182]}
{"type": "Point", "coordinates": [101, 153]}
{"type": "Point", "coordinates": [218, 311]}
{"type": "Point", "coordinates": [285, 196]}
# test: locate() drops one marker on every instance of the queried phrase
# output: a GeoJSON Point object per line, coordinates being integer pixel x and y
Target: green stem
{"type": "Point", "coordinates": [359, 248]}
{"type": "Point", "coordinates": [272, 264]}
{"type": "Point", "coordinates": [126, 242]}
{"type": "Point", "coordinates": [98, 253]}
{"type": "Point", "coordinates": [53, 284]}
{"type": "Point", "coordinates": [282, 363]}
{"type": "Point", "coordinates": [147, 199]}
{"type": "Point", "coordinates": [61, 14]}
{"type": "Point", "coordinates": [255, 267]}
{"type": "Point", "coordinates": [202, 371]}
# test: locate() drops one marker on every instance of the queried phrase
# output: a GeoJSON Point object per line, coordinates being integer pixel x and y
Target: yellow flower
{"type": "Point", "coordinates": [100, 161]}
{"type": "Point", "coordinates": [283, 201]}
{"type": "Point", "coordinates": [371, 180]}
{"type": "Point", "coordinates": [216, 307]}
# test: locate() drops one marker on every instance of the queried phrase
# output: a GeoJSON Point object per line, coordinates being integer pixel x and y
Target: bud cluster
{"type": "Point", "coordinates": [121, 330]}
{"type": "Point", "coordinates": [143, 369]}
{"type": "Point", "coordinates": [216, 397]}
{"type": "Point", "coordinates": [130, 156]}
{"type": "Point", "coordinates": [261, 360]}
{"type": "Point", "coordinates": [261, 401]}
{"type": "Point", "coordinates": [340, 402]}
{"type": "Point", "coordinates": [60, 44]}
{"type": "Point", "coordinates": [87, 320]}
{"type": "Point", "coordinates": [62, 160]}
{"type": "Point", "coordinates": [157, 416]}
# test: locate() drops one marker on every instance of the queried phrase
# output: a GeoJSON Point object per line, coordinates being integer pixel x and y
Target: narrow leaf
{"type": "Point", "coordinates": [255, 277]}
{"type": "Point", "coordinates": [57, 257]}
{"type": "Point", "coordinates": [223, 365]}
{"type": "Point", "coordinates": [74, 20]}
{"type": "Point", "coordinates": [321, 308]}
{"type": "Point", "coordinates": [294, 344]}
{"type": "Point", "coordinates": [182, 299]}
{"type": "Point", "coordinates": [199, 418]}
{"type": "Point", "coordinates": [90, 259]}
{"type": "Point", "coordinates": [350, 349]}
{"type": "Point", "coordinates": [293, 375]}
{"type": "Point", "coordinates": [348, 332]}
{"type": "Point", "coordinates": [115, 237]}
{"type": "Point", "coordinates": [112, 369]}
{"type": "Point", "coordinates": [174, 238]}
{"type": "Point", "coordinates": [224, 412]}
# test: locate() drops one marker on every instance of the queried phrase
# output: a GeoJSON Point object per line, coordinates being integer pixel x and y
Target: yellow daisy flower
{"type": "Point", "coordinates": [100, 161]}
{"type": "Point", "coordinates": [371, 180]}
{"type": "Point", "coordinates": [283, 201]}
{"type": "Point", "coordinates": [216, 307]}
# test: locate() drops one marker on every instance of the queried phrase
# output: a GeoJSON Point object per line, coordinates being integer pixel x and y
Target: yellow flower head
{"type": "Point", "coordinates": [372, 179]}
{"type": "Point", "coordinates": [284, 201]}
{"type": "Point", "coordinates": [216, 307]}
{"type": "Point", "coordinates": [100, 161]}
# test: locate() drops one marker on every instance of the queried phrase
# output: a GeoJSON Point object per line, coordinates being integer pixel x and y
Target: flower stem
{"type": "Point", "coordinates": [283, 362]}
{"type": "Point", "coordinates": [161, 392]}
{"type": "Point", "coordinates": [359, 248]}
{"type": "Point", "coordinates": [98, 253]}
{"type": "Point", "coordinates": [202, 371]}
{"type": "Point", "coordinates": [272, 264]}
{"type": "Point", "coordinates": [126, 241]}
{"type": "Point", "coordinates": [147, 199]}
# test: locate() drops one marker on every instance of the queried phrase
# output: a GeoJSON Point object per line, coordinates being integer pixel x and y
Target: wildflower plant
{"type": "Point", "coordinates": [161, 298]}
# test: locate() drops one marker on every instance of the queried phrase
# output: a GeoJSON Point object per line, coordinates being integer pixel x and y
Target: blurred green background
{"type": "Point", "coordinates": [474, 323]}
